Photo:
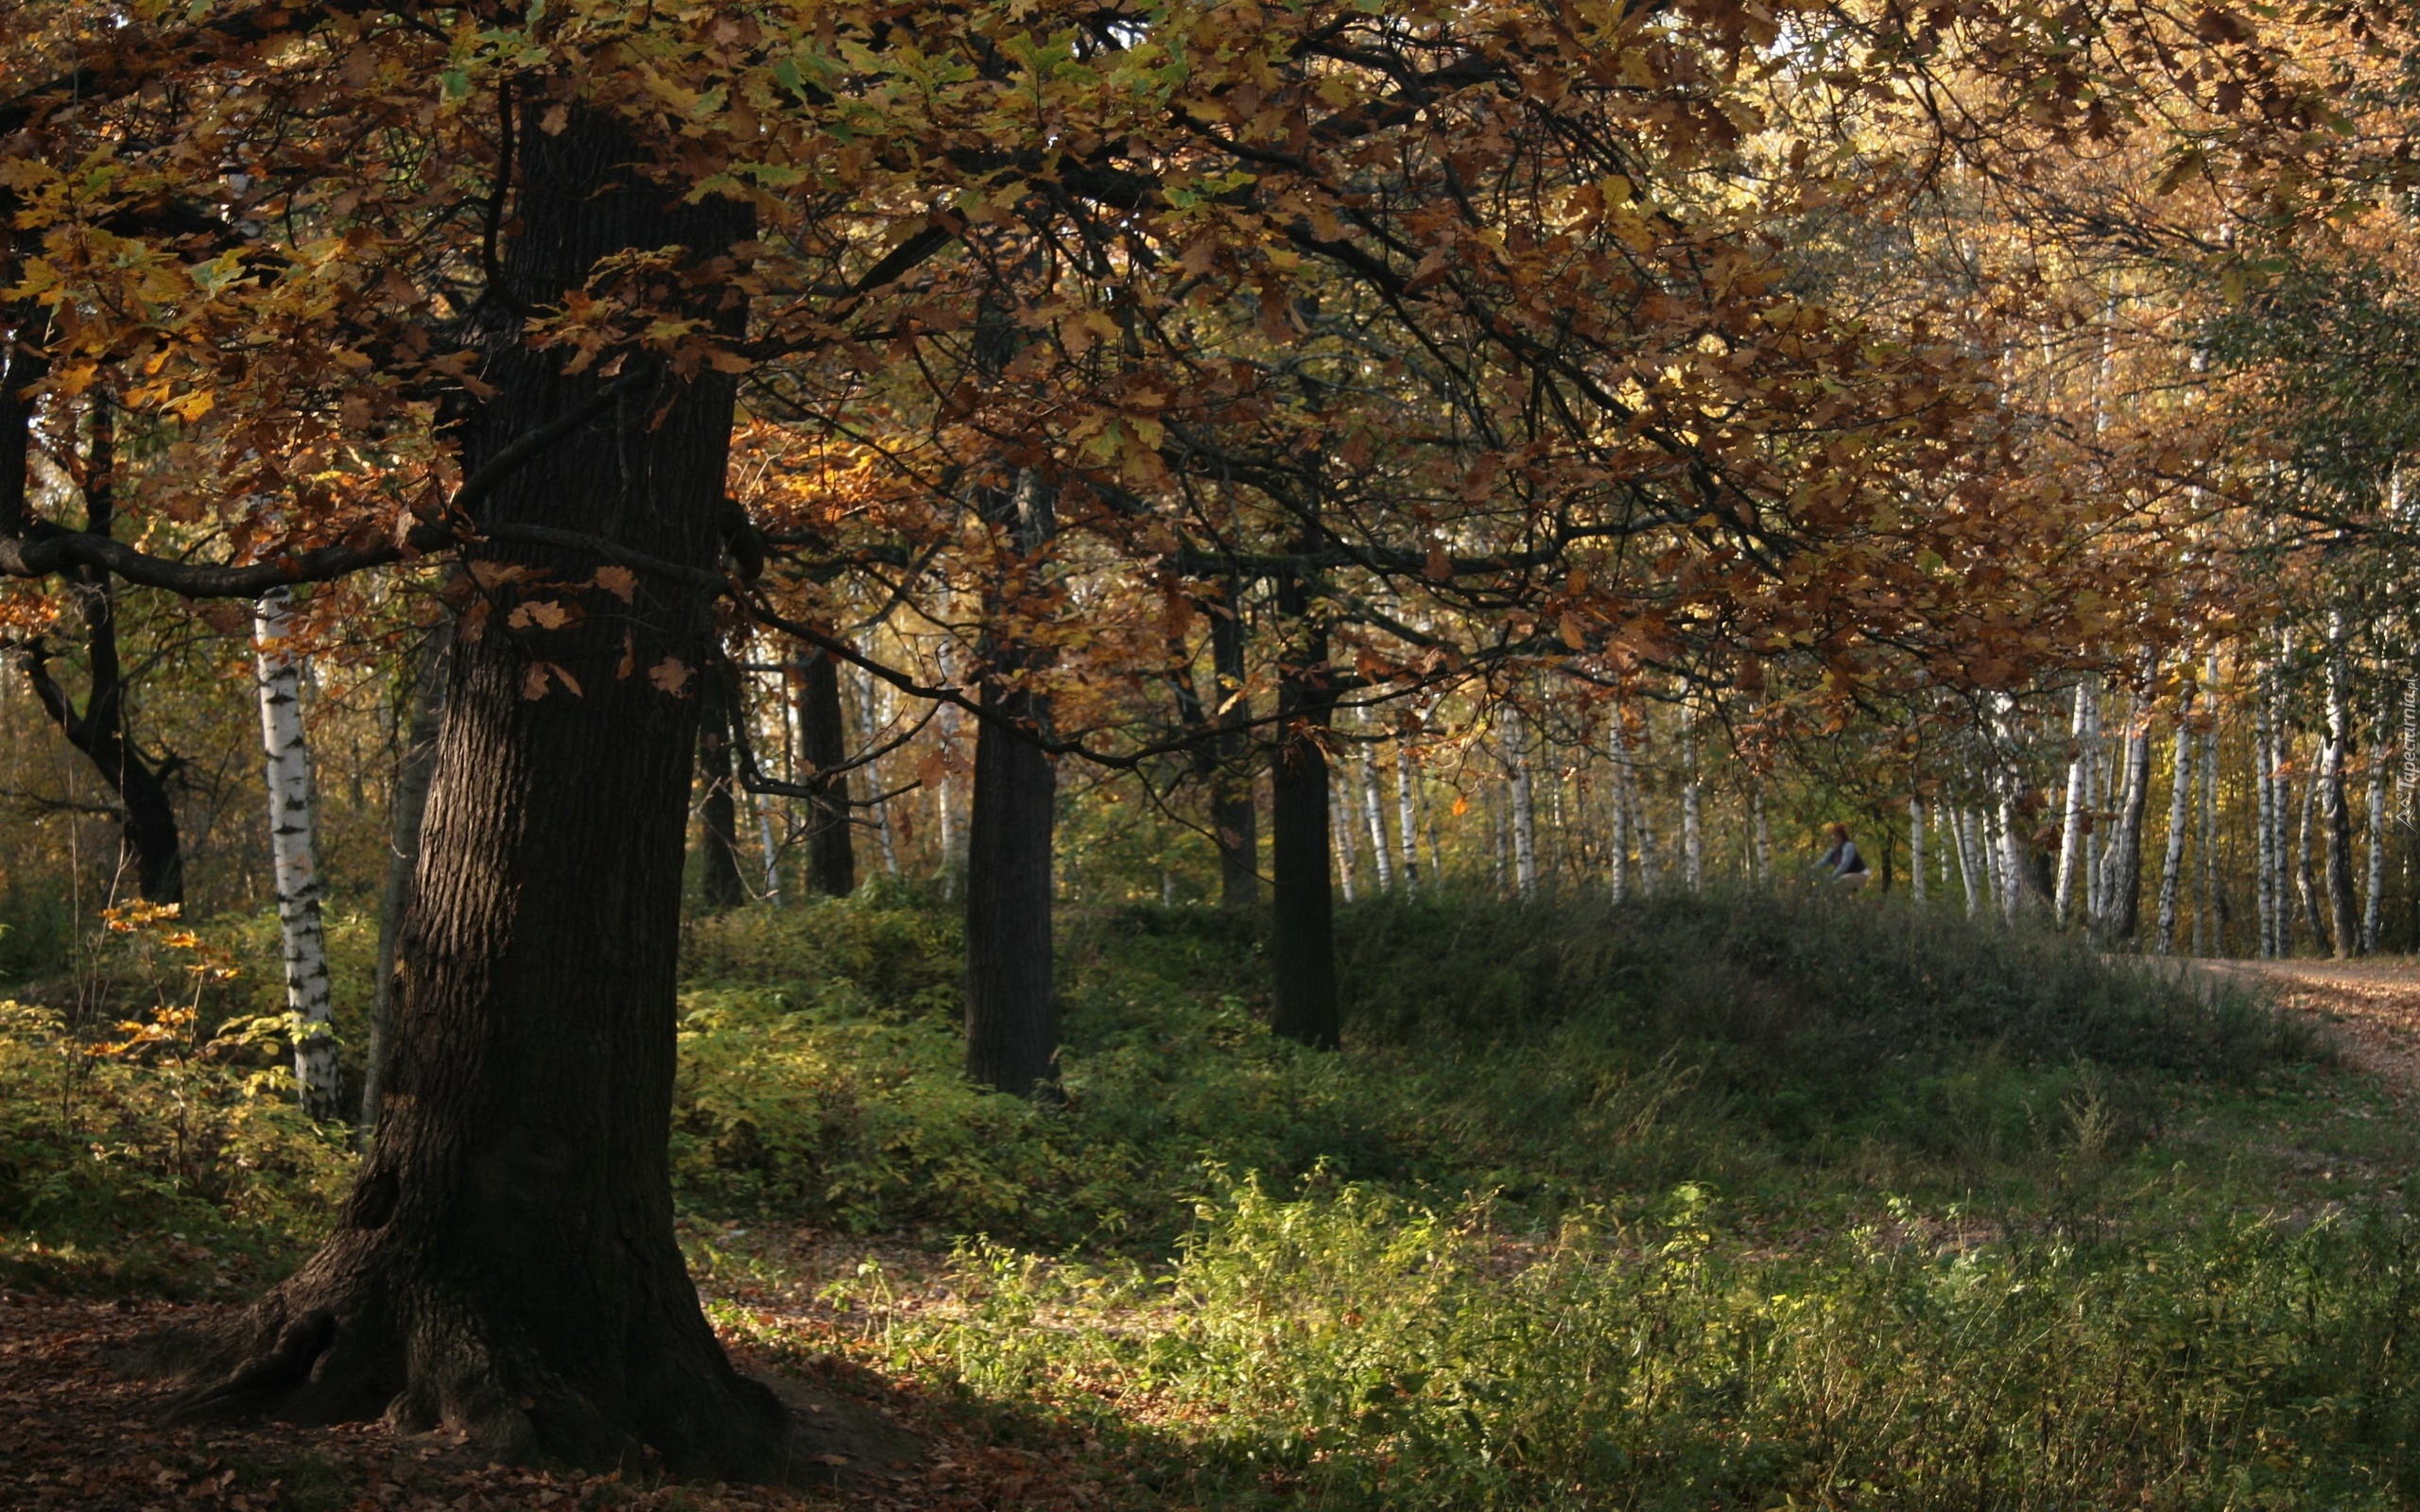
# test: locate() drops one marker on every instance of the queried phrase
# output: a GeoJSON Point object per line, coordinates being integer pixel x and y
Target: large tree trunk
{"type": "Point", "coordinates": [719, 882]}
{"type": "Point", "coordinates": [292, 819]}
{"type": "Point", "coordinates": [1302, 938]}
{"type": "Point", "coordinates": [410, 802]}
{"type": "Point", "coordinates": [831, 852]}
{"type": "Point", "coordinates": [1011, 998]}
{"type": "Point", "coordinates": [505, 1265]}
{"type": "Point", "coordinates": [1011, 1002]}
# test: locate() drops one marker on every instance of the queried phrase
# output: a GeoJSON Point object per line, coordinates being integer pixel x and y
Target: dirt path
{"type": "Point", "coordinates": [2373, 1005]}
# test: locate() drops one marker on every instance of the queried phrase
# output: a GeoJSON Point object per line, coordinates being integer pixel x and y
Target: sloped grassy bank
{"type": "Point", "coordinates": [1732, 1202]}
{"type": "Point", "coordinates": [1722, 1202]}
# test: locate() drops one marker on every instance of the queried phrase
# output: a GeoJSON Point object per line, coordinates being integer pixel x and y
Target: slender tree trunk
{"type": "Point", "coordinates": [1011, 998]}
{"type": "Point", "coordinates": [1380, 862]}
{"type": "Point", "coordinates": [1348, 855]}
{"type": "Point", "coordinates": [719, 881]}
{"type": "Point", "coordinates": [831, 849]}
{"type": "Point", "coordinates": [1762, 834]}
{"type": "Point", "coordinates": [2374, 838]}
{"type": "Point", "coordinates": [2208, 938]}
{"type": "Point", "coordinates": [2180, 817]}
{"type": "Point", "coordinates": [2267, 878]}
{"type": "Point", "coordinates": [410, 804]}
{"type": "Point", "coordinates": [1915, 842]}
{"type": "Point", "coordinates": [1962, 824]}
{"type": "Point", "coordinates": [506, 1267]}
{"type": "Point", "coordinates": [2306, 885]}
{"type": "Point", "coordinates": [1408, 817]}
{"type": "Point", "coordinates": [2122, 890]}
{"type": "Point", "coordinates": [1525, 815]}
{"type": "Point", "coordinates": [877, 719]}
{"type": "Point", "coordinates": [1692, 804]}
{"type": "Point", "coordinates": [1620, 871]}
{"type": "Point", "coordinates": [292, 819]}
{"type": "Point", "coordinates": [2071, 830]}
{"type": "Point", "coordinates": [1234, 815]}
{"type": "Point", "coordinates": [147, 822]}
{"type": "Point", "coordinates": [2344, 907]}
{"type": "Point", "coordinates": [1302, 942]}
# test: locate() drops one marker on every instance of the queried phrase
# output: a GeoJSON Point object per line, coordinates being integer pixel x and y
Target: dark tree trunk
{"type": "Point", "coordinates": [1233, 814]}
{"type": "Point", "coordinates": [505, 1265]}
{"type": "Point", "coordinates": [718, 880]}
{"type": "Point", "coordinates": [147, 823]}
{"type": "Point", "coordinates": [1302, 938]}
{"type": "Point", "coordinates": [831, 853]}
{"type": "Point", "coordinates": [1011, 1002]}
{"type": "Point", "coordinates": [1012, 999]}
{"type": "Point", "coordinates": [410, 803]}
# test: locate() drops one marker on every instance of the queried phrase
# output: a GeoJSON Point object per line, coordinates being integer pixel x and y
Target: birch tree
{"type": "Point", "coordinates": [291, 822]}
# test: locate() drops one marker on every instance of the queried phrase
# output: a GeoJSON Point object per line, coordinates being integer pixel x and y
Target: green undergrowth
{"type": "Point", "coordinates": [1797, 1055]}
{"type": "Point", "coordinates": [1729, 1201]}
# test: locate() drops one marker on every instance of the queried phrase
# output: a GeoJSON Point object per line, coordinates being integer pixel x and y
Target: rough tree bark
{"type": "Point", "coordinates": [410, 802]}
{"type": "Point", "coordinates": [831, 850]}
{"type": "Point", "coordinates": [719, 881]}
{"type": "Point", "coordinates": [1302, 939]}
{"type": "Point", "coordinates": [147, 822]}
{"type": "Point", "coordinates": [292, 820]}
{"type": "Point", "coordinates": [505, 1265]}
{"type": "Point", "coordinates": [1011, 998]}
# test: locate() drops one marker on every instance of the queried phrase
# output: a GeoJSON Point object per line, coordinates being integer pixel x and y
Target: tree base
{"type": "Point", "coordinates": [659, 1396]}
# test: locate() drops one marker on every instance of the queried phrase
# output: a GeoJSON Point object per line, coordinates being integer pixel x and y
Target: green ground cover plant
{"type": "Point", "coordinates": [1736, 1200]}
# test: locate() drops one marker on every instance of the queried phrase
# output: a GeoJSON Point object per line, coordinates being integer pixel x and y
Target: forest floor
{"type": "Point", "coordinates": [2002, 1177]}
{"type": "Point", "coordinates": [2371, 1006]}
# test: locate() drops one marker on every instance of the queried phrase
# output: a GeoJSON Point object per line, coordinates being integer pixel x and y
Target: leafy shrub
{"type": "Point", "coordinates": [1356, 1350]}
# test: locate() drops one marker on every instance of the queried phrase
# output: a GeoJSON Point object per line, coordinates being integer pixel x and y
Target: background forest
{"type": "Point", "coordinates": [1198, 656]}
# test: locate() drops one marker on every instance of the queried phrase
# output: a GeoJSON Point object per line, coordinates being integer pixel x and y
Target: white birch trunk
{"type": "Point", "coordinates": [1692, 804]}
{"type": "Point", "coordinates": [291, 816]}
{"type": "Point", "coordinates": [1381, 861]}
{"type": "Point", "coordinates": [2264, 847]}
{"type": "Point", "coordinates": [1408, 818]}
{"type": "Point", "coordinates": [1970, 873]}
{"type": "Point", "coordinates": [1915, 842]}
{"type": "Point", "coordinates": [1340, 830]}
{"type": "Point", "coordinates": [2374, 878]}
{"type": "Point", "coordinates": [2207, 934]}
{"type": "Point", "coordinates": [1620, 747]}
{"type": "Point", "coordinates": [2180, 816]}
{"type": "Point", "coordinates": [1525, 818]}
{"type": "Point", "coordinates": [2071, 829]}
